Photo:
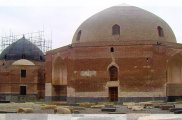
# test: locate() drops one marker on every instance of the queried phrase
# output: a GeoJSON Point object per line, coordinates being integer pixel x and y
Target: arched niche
{"type": "Point", "coordinates": [59, 73]}
{"type": "Point", "coordinates": [113, 73]}
{"type": "Point", "coordinates": [174, 71]}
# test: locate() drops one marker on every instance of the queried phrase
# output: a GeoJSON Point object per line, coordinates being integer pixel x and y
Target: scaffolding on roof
{"type": "Point", "coordinates": [37, 38]}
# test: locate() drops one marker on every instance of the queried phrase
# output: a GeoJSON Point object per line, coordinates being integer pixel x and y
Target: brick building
{"type": "Point", "coordinates": [123, 53]}
{"type": "Point", "coordinates": [22, 72]}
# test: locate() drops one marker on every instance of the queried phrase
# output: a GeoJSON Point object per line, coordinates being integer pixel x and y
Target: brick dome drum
{"type": "Point", "coordinates": [135, 24]}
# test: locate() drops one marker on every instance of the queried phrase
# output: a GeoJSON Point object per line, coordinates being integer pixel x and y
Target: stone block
{"type": "Point", "coordinates": [97, 106]}
{"type": "Point", "coordinates": [78, 108]}
{"type": "Point", "coordinates": [70, 108]}
{"type": "Point", "coordinates": [109, 105]}
{"type": "Point", "coordinates": [62, 110]}
{"type": "Point", "coordinates": [145, 103]}
{"type": "Point", "coordinates": [137, 108]}
{"type": "Point", "coordinates": [25, 110]}
{"type": "Point", "coordinates": [108, 109]}
{"type": "Point", "coordinates": [166, 107]}
{"type": "Point", "coordinates": [87, 105]}
{"type": "Point", "coordinates": [48, 107]}
{"type": "Point", "coordinates": [128, 103]}
{"type": "Point", "coordinates": [59, 103]}
{"type": "Point", "coordinates": [156, 101]}
{"type": "Point", "coordinates": [149, 107]}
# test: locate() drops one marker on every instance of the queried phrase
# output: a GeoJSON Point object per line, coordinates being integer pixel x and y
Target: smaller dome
{"type": "Point", "coordinates": [23, 62]}
{"type": "Point", "coordinates": [22, 49]}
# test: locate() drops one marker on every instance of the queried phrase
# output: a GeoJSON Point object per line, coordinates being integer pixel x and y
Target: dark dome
{"type": "Point", "coordinates": [22, 49]}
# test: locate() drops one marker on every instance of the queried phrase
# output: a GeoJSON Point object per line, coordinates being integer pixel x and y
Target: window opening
{"type": "Point", "coordinates": [23, 73]}
{"type": "Point", "coordinates": [112, 49]}
{"type": "Point", "coordinates": [160, 31]}
{"type": "Point", "coordinates": [116, 30]}
{"type": "Point", "coordinates": [78, 35]}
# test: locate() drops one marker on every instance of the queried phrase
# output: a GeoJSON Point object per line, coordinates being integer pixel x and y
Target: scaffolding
{"type": "Point", "coordinates": [37, 38]}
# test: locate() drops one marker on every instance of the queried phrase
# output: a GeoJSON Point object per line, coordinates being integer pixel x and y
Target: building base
{"type": "Point", "coordinates": [18, 98]}
{"type": "Point", "coordinates": [74, 100]}
{"type": "Point", "coordinates": [55, 98]}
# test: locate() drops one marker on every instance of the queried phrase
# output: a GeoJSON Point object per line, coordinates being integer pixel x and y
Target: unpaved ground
{"type": "Point", "coordinates": [124, 109]}
{"type": "Point", "coordinates": [13, 107]}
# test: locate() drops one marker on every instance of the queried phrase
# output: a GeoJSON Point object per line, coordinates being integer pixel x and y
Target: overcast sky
{"type": "Point", "coordinates": [63, 17]}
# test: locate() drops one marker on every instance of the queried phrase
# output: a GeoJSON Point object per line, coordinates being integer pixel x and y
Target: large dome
{"type": "Point", "coordinates": [22, 49]}
{"type": "Point", "coordinates": [134, 24]}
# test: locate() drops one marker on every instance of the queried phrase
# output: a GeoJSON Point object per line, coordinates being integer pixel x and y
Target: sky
{"type": "Point", "coordinates": [60, 18]}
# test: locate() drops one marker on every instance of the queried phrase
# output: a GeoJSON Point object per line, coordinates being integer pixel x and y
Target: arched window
{"type": "Point", "coordinates": [160, 31]}
{"type": "Point", "coordinates": [116, 30]}
{"type": "Point", "coordinates": [78, 35]}
{"type": "Point", "coordinates": [113, 73]}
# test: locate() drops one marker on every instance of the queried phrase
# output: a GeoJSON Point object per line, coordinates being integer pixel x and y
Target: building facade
{"type": "Point", "coordinates": [120, 54]}
{"type": "Point", "coordinates": [22, 72]}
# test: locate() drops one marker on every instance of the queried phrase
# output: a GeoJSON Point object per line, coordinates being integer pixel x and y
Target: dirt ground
{"type": "Point", "coordinates": [86, 114]}
{"type": "Point", "coordinates": [13, 107]}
